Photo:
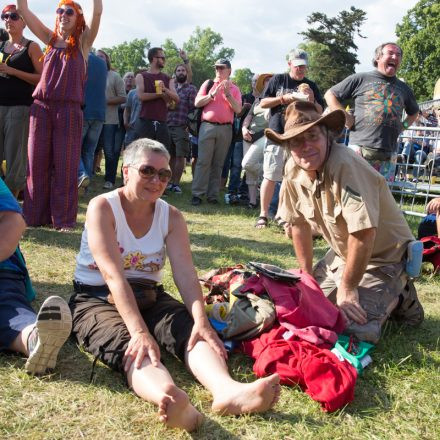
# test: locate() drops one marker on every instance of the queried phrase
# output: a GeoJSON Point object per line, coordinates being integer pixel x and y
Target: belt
{"type": "Point", "coordinates": [79, 287]}
{"type": "Point", "coordinates": [218, 123]}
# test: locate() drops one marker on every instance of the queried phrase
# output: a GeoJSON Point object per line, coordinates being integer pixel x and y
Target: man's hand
{"type": "Point", "coordinates": [183, 55]}
{"type": "Point", "coordinates": [227, 87]}
{"type": "Point", "coordinates": [433, 207]}
{"type": "Point", "coordinates": [349, 120]}
{"type": "Point", "coordinates": [141, 345]}
{"type": "Point", "coordinates": [348, 302]}
{"type": "Point", "coordinates": [202, 331]}
{"type": "Point", "coordinates": [247, 134]}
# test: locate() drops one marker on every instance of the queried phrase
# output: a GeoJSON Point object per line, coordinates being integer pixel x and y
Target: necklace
{"type": "Point", "coordinates": [15, 50]}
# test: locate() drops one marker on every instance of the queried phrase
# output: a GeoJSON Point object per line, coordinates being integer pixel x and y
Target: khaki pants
{"type": "Point", "coordinates": [214, 141]}
{"type": "Point", "coordinates": [379, 294]}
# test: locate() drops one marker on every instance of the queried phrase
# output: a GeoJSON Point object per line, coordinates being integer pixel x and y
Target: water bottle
{"type": "Point", "coordinates": [414, 258]}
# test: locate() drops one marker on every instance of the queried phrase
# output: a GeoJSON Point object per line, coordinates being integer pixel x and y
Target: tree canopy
{"type": "Point", "coordinates": [129, 56]}
{"type": "Point", "coordinates": [331, 47]}
{"type": "Point", "coordinates": [419, 37]}
{"type": "Point", "coordinates": [243, 79]}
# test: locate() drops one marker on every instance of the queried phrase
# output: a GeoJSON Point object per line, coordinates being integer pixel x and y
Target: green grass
{"type": "Point", "coordinates": [398, 396]}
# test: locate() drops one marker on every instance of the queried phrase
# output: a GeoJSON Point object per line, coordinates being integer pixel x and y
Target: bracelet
{"type": "Point", "coordinates": [228, 95]}
{"type": "Point", "coordinates": [211, 96]}
{"type": "Point", "coordinates": [186, 61]}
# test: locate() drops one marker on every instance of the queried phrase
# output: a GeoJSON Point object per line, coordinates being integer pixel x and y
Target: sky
{"type": "Point", "coordinates": [261, 32]}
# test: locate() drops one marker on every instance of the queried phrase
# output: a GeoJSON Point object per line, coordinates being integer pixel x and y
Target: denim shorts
{"type": "Point", "coordinates": [16, 312]}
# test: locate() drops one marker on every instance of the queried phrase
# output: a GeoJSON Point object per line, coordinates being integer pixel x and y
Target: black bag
{"type": "Point", "coordinates": [194, 118]}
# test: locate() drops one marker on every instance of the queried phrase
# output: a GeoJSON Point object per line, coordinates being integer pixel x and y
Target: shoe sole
{"type": "Point", "coordinates": [54, 324]}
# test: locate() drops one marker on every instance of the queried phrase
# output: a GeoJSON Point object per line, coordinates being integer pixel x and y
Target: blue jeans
{"type": "Point", "coordinates": [273, 207]}
{"type": "Point", "coordinates": [235, 173]}
{"type": "Point", "coordinates": [112, 148]}
{"type": "Point", "coordinates": [90, 135]}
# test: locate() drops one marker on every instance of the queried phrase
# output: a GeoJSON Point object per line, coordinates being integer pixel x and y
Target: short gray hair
{"type": "Point", "coordinates": [134, 152]}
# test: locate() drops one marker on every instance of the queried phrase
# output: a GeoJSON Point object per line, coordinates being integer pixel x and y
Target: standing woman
{"type": "Point", "coordinates": [20, 71]}
{"type": "Point", "coordinates": [56, 118]}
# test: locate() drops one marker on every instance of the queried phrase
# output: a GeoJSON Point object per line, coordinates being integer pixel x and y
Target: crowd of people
{"type": "Point", "coordinates": [276, 146]}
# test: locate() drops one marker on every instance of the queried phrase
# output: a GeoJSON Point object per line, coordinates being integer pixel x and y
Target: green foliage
{"type": "Point", "coordinates": [419, 37]}
{"type": "Point", "coordinates": [204, 47]}
{"type": "Point", "coordinates": [330, 42]}
{"type": "Point", "coordinates": [129, 56]}
{"type": "Point", "coordinates": [243, 78]}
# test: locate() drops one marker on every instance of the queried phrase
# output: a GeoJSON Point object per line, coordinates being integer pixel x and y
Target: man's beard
{"type": "Point", "coordinates": [181, 78]}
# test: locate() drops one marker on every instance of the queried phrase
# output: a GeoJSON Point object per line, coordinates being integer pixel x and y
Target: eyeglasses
{"type": "Point", "coordinates": [67, 11]}
{"type": "Point", "coordinates": [148, 172]}
{"type": "Point", "coordinates": [308, 136]}
{"type": "Point", "coordinates": [14, 16]}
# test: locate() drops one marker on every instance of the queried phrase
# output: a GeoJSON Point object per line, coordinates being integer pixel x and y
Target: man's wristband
{"type": "Point", "coordinates": [211, 95]}
{"type": "Point", "coordinates": [405, 124]}
{"type": "Point", "coordinates": [228, 95]}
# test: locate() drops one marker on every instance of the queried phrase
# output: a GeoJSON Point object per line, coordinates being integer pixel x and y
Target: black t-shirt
{"type": "Point", "coordinates": [379, 103]}
{"type": "Point", "coordinates": [238, 122]}
{"type": "Point", "coordinates": [282, 84]}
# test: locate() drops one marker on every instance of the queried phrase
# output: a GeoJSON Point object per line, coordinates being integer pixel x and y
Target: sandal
{"type": "Point", "coordinates": [261, 222]}
{"type": "Point", "coordinates": [252, 205]}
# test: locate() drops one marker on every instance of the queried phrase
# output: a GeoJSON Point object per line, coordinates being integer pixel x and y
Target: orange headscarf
{"type": "Point", "coordinates": [73, 40]}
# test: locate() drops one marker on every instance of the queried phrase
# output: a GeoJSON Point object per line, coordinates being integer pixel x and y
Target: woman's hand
{"type": "Point", "coordinates": [141, 345]}
{"type": "Point", "coordinates": [5, 69]}
{"type": "Point", "coordinates": [202, 331]}
{"type": "Point", "coordinates": [247, 135]}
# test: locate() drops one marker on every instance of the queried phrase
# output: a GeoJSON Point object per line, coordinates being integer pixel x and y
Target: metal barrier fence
{"type": "Point", "coordinates": [417, 178]}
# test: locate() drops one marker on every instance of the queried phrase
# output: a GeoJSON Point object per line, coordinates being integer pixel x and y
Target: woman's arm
{"type": "Point", "coordinates": [92, 27]}
{"type": "Point", "coordinates": [33, 22]}
{"type": "Point", "coordinates": [185, 277]}
{"type": "Point", "coordinates": [105, 251]}
{"type": "Point", "coordinates": [31, 78]}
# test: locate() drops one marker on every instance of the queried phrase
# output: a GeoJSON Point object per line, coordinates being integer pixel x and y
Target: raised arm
{"type": "Point", "coordinates": [33, 22]}
{"type": "Point", "coordinates": [92, 27]}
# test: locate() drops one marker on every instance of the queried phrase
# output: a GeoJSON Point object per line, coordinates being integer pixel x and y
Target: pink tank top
{"type": "Point", "coordinates": [62, 78]}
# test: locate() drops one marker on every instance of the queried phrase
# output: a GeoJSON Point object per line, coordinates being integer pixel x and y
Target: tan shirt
{"type": "Point", "coordinates": [115, 88]}
{"type": "Point", "coordinates": [348, 196]}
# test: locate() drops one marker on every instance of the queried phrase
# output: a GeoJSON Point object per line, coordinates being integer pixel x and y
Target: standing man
{"type": "Point", "coordinates": [177, 122]}
{"type": "Point", "coordinates": [94, 116]}
{"type": "Point", "coordinates": [282, 89]}
{"type": "Point", "coordinates": [379, 100]}
{"type": "Point", "coordinates": [155, 91]}
{"type": "Point", "coordinates": [330, 189]}
{"type": "Point", "coordinates": [220, 99]}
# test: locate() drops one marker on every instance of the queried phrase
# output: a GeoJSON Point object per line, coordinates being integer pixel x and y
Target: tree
{"type": "Point", "coordinates": [129, 56]}
{"type": "Point", "coordinates": [203, 48]}
{"type": "Point", "coordinates": [419, 38]}
{"type": "Point", "coordinates": [243, 79]}
{"type": "Point", "coordinates": [330, 42]}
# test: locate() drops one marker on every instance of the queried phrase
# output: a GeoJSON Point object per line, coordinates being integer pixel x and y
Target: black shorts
{"type": "Point", "coordinates": [99, 328]}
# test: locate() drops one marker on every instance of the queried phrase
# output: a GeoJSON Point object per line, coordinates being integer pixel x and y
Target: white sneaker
{"type": "Point", "coordinates": [108, 185]}
{"type": "Point", "coordinates": [83, 182]}
{"type": "Point", "coordinates": [52, 328]}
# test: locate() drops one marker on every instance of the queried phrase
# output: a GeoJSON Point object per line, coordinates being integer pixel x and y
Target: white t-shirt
{"type": "Point", "coordinates": [142, 257]}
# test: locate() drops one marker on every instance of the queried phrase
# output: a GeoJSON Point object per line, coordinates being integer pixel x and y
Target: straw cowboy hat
{"type": "Point", "coordinates": [302, 115]}
{"type": "Point", "coordinates": [259, 85]}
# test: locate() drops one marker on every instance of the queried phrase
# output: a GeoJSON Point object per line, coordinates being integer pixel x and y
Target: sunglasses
{"type": "Point", "coordinates": [14, 16]}
{"type": "Point", "coordinates": [68, 11]}
{"type": "Point", "coordinates": [148, 172]}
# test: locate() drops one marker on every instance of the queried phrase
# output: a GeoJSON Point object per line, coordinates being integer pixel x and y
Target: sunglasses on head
{"type": "Point", "coordinates": [148, 172]}
{"type": "Point", "coordinates": [67, 11]}
{"type": "Point", "coordinates": [14, 16]}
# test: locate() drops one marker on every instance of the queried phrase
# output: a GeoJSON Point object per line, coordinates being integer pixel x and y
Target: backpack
{"type": "Point", "coordinates": [194, 118]}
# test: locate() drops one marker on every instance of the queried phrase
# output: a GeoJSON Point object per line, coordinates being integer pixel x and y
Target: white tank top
{"type": "Point", "coordinates": [142, 257]}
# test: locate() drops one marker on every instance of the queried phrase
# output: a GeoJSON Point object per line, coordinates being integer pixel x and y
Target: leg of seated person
{"type": "Point", "coordinates": [230, 396]}
{"type": "Point", "coordinates": [155, 385]}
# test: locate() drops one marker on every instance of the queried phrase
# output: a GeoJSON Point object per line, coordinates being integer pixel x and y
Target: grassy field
{"type": "Point", "coordinates": [397, 397]}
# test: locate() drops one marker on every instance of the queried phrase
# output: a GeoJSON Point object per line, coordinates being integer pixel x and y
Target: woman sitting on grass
{"type": "Point", "coordinates": [120, 308]}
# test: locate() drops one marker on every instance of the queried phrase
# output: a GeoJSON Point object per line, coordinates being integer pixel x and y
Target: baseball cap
{"type": "Point", "coordinates": [223, 62]}
{"type": "Point", "coordinates": [298, 57]}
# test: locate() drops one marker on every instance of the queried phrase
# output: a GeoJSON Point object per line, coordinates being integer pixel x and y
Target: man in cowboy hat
{"type": "Point", "coordinates": [329, 188]}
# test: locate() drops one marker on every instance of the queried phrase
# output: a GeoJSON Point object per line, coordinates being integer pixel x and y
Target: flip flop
{"type": "Point", "coordinates": [261, 222]}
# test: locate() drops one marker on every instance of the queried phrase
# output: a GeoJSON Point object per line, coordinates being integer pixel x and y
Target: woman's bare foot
{"type": "Point", "coordinates": [253, 397]}
{"type": "Point", "coordinates": [176, 411]}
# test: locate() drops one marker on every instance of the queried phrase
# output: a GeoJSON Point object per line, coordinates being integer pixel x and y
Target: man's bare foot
{"type": "Point", "coordinates": [176, 411]}
{"type": "Point", "coordinates": [253, 397]}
